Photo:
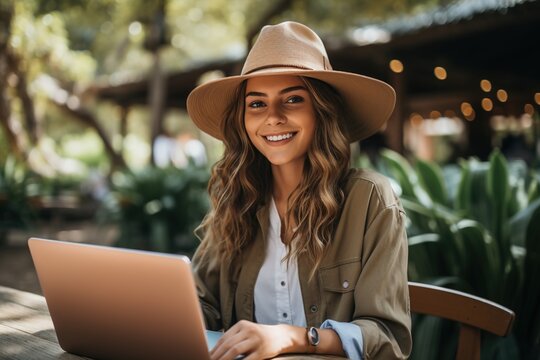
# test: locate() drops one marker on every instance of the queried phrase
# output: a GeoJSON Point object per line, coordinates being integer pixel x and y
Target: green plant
{"type": "Point", "coordinates": [473, 227]}
{"type": "Point", "coordinates": [158, 209]}
{"type": "Point", "coordinates": [15, 208]}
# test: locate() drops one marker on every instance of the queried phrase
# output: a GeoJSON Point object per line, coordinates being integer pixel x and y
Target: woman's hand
{"type": "Point", "coordinates": [255, 341]}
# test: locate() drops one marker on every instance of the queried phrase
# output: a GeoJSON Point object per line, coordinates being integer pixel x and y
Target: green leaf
{"type": "Point", "coordinates": [479, 201]}
{"type": "Point", "coordinates": [431, 180]}
{"type": "Point", "coordinates": [497, 182]}
{"type": "Point", "coordinates": [424, 257]}
{"type": "Point", "coordinates": [463, 195]}
{"type": "Point", "coordinates": [427, 335]}
{"type": "Point", "coordinates": [478, 245]}
{"type": "Point", "coordinates": [424, 238]}
{"type": "Point", "coordinates": [499, 348]}
{"type": "Point", "coordinates": [531, 291]}
{"type": "Point", "coordinates": [399, 169]}
{"type": "Point", "coordinates": [519, 223]}
{"type": "Point", "coordinates": [533, 191]}
{"type": "Point", "coordinates": [498, 190]}
{"type": "Point", "coordinates": [415, 207]}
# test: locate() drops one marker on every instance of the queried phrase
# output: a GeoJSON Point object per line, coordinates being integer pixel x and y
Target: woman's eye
{"type": "Point", "coordinates": [295, 99]}
{"type": "Point", "coordinates": [256, 104]}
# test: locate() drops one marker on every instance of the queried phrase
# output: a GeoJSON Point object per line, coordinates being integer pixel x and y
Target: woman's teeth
{"type": "Point", "coordinates": [279, 137]}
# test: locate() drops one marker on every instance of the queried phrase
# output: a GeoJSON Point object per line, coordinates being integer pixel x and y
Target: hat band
{"type": "Point", "coordinates": [277, 66]}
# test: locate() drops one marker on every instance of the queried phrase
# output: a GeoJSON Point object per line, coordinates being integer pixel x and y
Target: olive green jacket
{"type": "Point", "coordinates": [362, 277]}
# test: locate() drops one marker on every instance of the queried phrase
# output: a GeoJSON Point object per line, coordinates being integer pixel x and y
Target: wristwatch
{"type": "Point", "coordinates": [313, 336]}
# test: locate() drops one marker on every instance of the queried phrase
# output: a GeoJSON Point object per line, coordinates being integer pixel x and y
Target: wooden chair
{"type": "Point", "coordinates": [473, 313]}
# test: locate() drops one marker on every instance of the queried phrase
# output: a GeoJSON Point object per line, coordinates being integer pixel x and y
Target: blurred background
{"type": "Point", "coordinates": [96, 145]}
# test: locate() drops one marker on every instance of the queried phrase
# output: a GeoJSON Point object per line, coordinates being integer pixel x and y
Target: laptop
{"type": "Point", "coordinates": [112, 303]}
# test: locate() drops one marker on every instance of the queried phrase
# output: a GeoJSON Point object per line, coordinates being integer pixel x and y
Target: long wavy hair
{"type": "Point", "coordinates": [241, 182]}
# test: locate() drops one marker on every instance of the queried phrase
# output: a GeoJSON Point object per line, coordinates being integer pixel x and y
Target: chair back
{"type": "Point", "coordinates": [473, 313]}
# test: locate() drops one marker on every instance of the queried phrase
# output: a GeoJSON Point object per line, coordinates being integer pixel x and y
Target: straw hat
{"type": "Point", "coordinates": [291, 48]}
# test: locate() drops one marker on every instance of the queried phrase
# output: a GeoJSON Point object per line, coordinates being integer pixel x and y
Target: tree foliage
{"type": "Point", "coordinates": [63, 46]}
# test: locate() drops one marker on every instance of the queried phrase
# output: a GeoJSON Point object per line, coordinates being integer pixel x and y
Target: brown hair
{"type": "Point", "coordinates": [241, 182]}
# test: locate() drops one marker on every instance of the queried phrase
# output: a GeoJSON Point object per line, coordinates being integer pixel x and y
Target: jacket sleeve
{"type": "Point", "coordinates": [206, 272]}
{"type": "Point", "coordinates": [381, 293]}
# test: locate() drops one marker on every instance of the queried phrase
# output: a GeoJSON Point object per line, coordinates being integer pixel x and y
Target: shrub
{"type": "Point", "coordinates": [474, 227]}
{"type": "Point", "coordinates": [158, 209]}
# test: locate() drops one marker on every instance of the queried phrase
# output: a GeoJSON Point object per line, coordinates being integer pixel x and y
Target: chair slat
{"type": "Point", "coordinates": [469, 343]}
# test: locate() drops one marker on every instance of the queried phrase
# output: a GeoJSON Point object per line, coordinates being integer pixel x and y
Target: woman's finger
{"type": "Point", "coordinates": [230, 340]}
{"type": "Point", "coordinates": [245, 347]}
{"type": "Point", "coordinates": [225, 337]}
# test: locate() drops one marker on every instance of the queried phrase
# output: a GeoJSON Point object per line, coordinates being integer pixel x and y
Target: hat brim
{"type": "Point", "coordinates": [369, 101]}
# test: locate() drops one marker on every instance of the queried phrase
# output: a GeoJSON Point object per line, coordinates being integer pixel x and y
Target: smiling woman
{"type": "Point", "coordinates": [299, 253]}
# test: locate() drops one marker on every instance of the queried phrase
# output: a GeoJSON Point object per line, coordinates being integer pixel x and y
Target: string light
{"type": "Point", "coordinates": [440, 73]}
{"type": "Point", "coordinates": [466, 109]}
{"type": "Point", "coordinates": [416, 119]}
{"type": "Point", "coordinates": [487, 104]}
{"type": "Point", "coordinates": [450, 113]}
{"type": "Point", "coordinates": [529, 109]}
{"type": "Point", "coordinates": [485, 85]}
{"type": "Point", "coordinates": [502, 95]}
{"type": "Point", "coordinates": [435, 114]}
{"type": "Point", "coordinates": [396, 66]}
{"type": "Point", "coordinates": [471, 116]}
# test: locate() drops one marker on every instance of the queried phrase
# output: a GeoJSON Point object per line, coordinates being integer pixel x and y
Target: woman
{"type": "Point", "coordinates": [299, 253]}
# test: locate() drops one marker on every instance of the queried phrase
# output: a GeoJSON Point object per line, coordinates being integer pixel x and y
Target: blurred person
{"type": "Point", "coordinates": [189, 149]}
{"type": "Point", "coordinates": [299, 253]}
{"type": "Point", "coordinates": [165, 149]}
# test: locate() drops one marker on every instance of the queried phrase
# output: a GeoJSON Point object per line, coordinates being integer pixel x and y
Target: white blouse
{"type": "Point", "coordinates": [278, 297]}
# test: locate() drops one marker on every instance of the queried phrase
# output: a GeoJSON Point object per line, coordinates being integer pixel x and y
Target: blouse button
{"type": "Point", "coordinates": [313, 308]}
{"type": "Point", "coordinates": [345, 284]}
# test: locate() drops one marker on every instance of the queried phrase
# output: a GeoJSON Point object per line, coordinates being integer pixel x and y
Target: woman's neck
{"type": "Point", "coordinates": [285, 180]}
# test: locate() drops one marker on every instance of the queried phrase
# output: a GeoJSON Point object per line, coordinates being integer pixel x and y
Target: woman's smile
{"type": "Point", "coordinates": [279, 139]}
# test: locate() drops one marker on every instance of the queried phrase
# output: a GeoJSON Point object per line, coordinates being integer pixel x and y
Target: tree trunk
{"type": "Point", "coordinates": [156, 100]}
{"type": "Point", "coordinates": [6, 14]}
{"type": "Point", "coordinates": [27, 102]}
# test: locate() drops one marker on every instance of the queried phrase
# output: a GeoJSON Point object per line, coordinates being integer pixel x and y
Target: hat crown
{"type": "Point", "coordinates": [287, 45]}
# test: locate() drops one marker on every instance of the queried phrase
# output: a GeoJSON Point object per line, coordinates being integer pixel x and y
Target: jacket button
{"type": "Point", "coordinates": [345, 284]}
{"type": "Point", "coordinates": [313, 308]}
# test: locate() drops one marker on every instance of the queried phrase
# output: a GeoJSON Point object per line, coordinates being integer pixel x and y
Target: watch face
{"type": "Point", "coordinates": [313, 336]}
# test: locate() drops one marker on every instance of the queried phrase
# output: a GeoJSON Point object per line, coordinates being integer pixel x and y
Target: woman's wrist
{"type": "Point", "coordinates": [295, 340]}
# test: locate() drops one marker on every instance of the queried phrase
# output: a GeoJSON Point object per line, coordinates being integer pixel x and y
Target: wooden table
{"type": "Point", "coordinates": [26, 328]}
{"type": "Point", "coordinates": [27, 332]}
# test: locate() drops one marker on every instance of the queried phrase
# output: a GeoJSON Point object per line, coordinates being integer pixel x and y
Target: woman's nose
{"type": "Point", "coordinates": [275, 116]}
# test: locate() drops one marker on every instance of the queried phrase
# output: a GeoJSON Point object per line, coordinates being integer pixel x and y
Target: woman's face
{"type": "Point", "coordinates": [279, 118]}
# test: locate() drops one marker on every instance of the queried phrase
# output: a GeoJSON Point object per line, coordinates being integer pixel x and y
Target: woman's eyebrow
{"type": "Point", "coordinates": [281, 92]}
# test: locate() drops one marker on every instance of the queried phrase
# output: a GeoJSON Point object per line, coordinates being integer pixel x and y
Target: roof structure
{"type": "Point", "coordinates": [472, 40]}
{"type": "Point", "coordinates": [452, 13]}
